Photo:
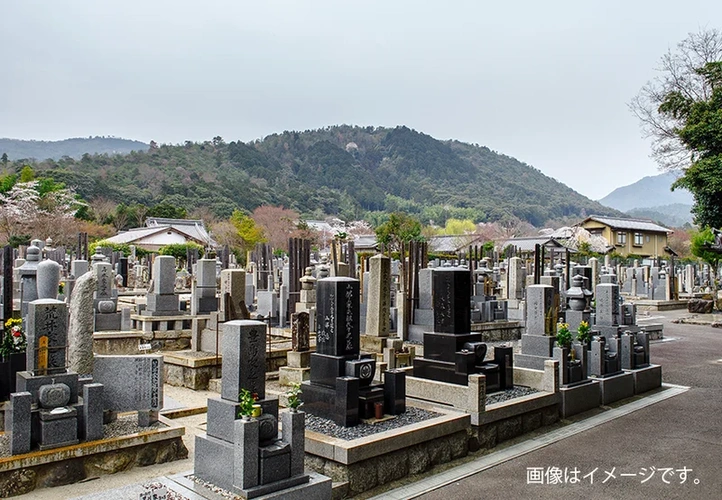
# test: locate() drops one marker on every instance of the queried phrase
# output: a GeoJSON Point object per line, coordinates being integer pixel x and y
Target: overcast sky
{"type": "Point", "coordinates": [545, 82]}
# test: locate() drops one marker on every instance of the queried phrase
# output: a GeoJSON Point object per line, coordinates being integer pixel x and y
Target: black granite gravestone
{"type": "Point", "coordinates": [341, 386]}
{"type": "Point", "coordinates": [452, 352]}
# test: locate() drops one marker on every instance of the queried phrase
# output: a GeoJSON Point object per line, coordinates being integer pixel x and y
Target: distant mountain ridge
{"type": "Point", "coordinates": [650, 191]}
{"type": "Point", "coordinates": [350, 171]}
{"type": "Point", "coordinates": [18, 149]}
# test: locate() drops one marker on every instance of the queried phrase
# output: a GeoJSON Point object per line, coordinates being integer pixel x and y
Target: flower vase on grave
{"type": "Point", "coordinates": [257, 411]}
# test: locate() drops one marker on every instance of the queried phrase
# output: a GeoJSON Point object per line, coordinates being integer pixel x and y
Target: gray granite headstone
{"type": "Point", "coordinates": [47, 336]}
{"type": "Point", "coordinates": [80, 328]}
{"type": "Point", "coordinates": [131, 383]}
{"type": "Point", "coordinates": [233, 283]}
{"type": "Point", "coordinates": [516, 279]}
{"type": "Point", "coordinates": [244, 358]}
{"type": "Point", "coordinates": [79, 267]}
{"type": "Point", "coordinates": [48, 277]}
{"type": "Point", "coordinates": [379, 297]}
{"type": "Point", "coordinates": [608, 308]}
{"type": "Point", "coordinates": [541, 316]}
{"type": "Point", "coordinates": [104, 276]}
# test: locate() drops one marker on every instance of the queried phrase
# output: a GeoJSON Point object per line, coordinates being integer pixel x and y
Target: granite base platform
{"type": "Point", "coordinates": [579, 398]}
{"type": "Point", "coordinates": [20, 474]}
{"type": "Point", "coordinates": [615, 387]}
{"type": "Point", "coordinates": [364, 463]}
{"type": "Point", "coordinates": [647, 378]}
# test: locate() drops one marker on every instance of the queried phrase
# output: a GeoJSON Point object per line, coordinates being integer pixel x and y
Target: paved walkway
{"type": "Point", "coordinates": [679, 427]}
{"type": "Point", "coordinates": [629, 455]}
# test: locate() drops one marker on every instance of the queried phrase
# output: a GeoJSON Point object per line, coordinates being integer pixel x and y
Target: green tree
{"type": "Point", "coordinates": [400, 228]}
{"type": "Point", "coordinates": [248, 231]}
{"type": "Point", "coordinates": [168, 211]}
{"type": "Point", "coordinates": [27, 174]}
{"type": "Point", "coordinates": [4, 159]}
{"type": "Point", "coordinates": [700, 243]}
{"type": "Point", "coordinates": [459, 226]}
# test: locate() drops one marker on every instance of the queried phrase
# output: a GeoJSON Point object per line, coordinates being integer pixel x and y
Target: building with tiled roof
{"type": "Point", "coordinates": [641, 237]}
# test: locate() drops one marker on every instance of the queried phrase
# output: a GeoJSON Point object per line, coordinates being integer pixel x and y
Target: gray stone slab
{"type": "Point", "coordinates": [17, 422]}
{"type": "Point", "coordinates": [93, 411]}
{"type": "Point", "coordinates": [541, 315]}
{"type": "Point", "coordinates": [425, 287]}
{"type": "Point", "coordinates": [163, 303]}
{"type": "Point", "coordinates": [132, 383]}
{"type": "Point", "coordinates": [164, 275]}
{"type": "Point", "coordinates": [647, 378]}
{"type": "Point", "coordinates": [28, 382]}
{"type": "Point", "coordinates": [104, 280]}
{"type": "Point", "coordinates": [616, 387]}
{"type": "Point", "coordinates": [214, 461]}
{"type": "Point", "coordinates": [245, 472]}
{"type": "Point", "coordinates": [293, 425]}
{"type": "Point", "coordinates": [537, 345]}
{"type": "Point", "coordinates": [243, 346]}
{"type": "Point", "coordinates": [531, 362]}
{"type": "Point", "coordinates": [58, 430]}
{"type": "Point", "coordinates": [579, 398]}
{"type": "Point", "coordinates": [110, 322]}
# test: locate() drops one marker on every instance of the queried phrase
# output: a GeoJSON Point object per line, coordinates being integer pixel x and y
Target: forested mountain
{"type": "Point", "coordinates": [349, 171]}
{"type": "Point", "coordinates": [17, 149]}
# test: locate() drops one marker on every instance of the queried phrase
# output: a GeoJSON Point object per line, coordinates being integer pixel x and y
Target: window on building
{"type": "Point", "coordinates": [638, 239]}
{"type": "Point", "coordinates": [621, 238]}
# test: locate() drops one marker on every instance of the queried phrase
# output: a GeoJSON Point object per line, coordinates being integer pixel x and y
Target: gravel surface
{"type": "Point", "coordinates": [123, 426]}
{"type": "Point", "coordinates": [215, 489]}
{"type": "Point", "coordinates": [516, 392]}
{"type": "Point", "coordinates": [159, 490]}
{"type": "Point", "coordinates": [329, 428]}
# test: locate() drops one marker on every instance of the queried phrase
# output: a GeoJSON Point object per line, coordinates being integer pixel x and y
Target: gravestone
{"type": "Point", "coordinates": [204, 292]}
{"type": "Point", "coordinates": [451, 351]}
{"type": "Point", "coordinates": [49, 412]}
{"type": "Point", "coordinates": [246, 455]}
{"type": "Point", "coordinates": [27, 277]}
{"type": "Point", "coordinates": [47, 336]}
{"type": "Point", "coordinates": [107, 317]}
{"type": "Point", "coordinates": [541, 319]}
{"type": "Point", "coordinates": [81, 325]}
{"type": "Point", "coordinates": [340, 387]}
{"type": "Point", "coordinates": [48, 279]}
{"type": "Point", "coordinates": [298, 368]}
{"type": "Point", "coordinates": [132, 383]}
{"type": "Point", "coordinates": [162, 300]}
{"type": "Point", "coordinates": [233, 293]}
{"type": "Point", "coordinates": [515, 290]}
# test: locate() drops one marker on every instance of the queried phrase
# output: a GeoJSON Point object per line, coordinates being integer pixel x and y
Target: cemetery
{"type": "Point", "coordinates": [335, 374]}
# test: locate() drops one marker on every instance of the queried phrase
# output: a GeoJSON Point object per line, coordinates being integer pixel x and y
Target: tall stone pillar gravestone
{"type": "Point", "coordinates": [299, 357]}
{"type": "Point", "coordinates": [162, 300]}
{"type": "Point", "coordinates": [537, 343]}
{"type": "Point", "coordinates": [340, 388]}
{"type": "Point", "coordinates": [27, 275]}
{"type": "Point", "coordinates": [204, 293]}
{"type": "Point", "coordinates": [451, 351]}
{"type": "Point", "coordinates": [233, 293]}
{"type": "Point", "coordinates": [107, 318]}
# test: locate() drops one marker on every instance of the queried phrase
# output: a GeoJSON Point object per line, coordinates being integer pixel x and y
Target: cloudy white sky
{"type": "Point", "coordinates": [545, 82]}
